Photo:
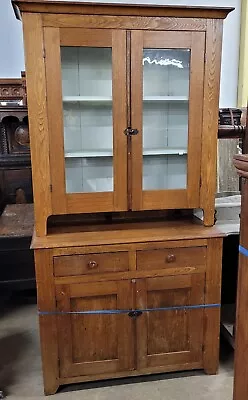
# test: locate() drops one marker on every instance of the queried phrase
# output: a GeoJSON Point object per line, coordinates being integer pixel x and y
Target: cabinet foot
{"type": "Point", "coordinates": [51, 389]}
{"type": "Point", "coordinates": [211, 370]}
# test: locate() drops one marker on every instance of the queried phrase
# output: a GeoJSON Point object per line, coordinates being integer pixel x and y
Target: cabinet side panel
{"type": "Point", "coordinates": [212, 315]}
{"type": "Point", "coordinates": [210, 119]}
{"type": "Point", "coordinates": [36, 92]}
{"type": "Point", "coordinates": [48, 327]}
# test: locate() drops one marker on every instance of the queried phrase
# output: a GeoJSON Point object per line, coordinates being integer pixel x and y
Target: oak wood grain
{"type": "Point", "coordinates": [129, 233]}
{"type": "Point", "coordinates": [212, 315]}
{"type": "Point", "coordinates": [122, 9]}
{"type": "Point", "coordinates": [48, 327]}
{"type": "Point", "coordinates": [38, 122]}
{"type": "Point", "coordinates": [210, 119]}
{"type": "Point", "coordinates": [55, 125]}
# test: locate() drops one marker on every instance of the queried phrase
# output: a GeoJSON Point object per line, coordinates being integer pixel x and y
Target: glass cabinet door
{"type": "Point", "coordinates": [92, 94]}
{"type": "Point", "coordinates": [167, 98]}
{"type": "Point", "coordinates": [165, 118]}
{"type": "Point", "coordinates": [88, 121]}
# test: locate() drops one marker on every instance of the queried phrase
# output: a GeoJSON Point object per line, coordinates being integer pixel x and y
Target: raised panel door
{"type": "Point", "coordinates": [169, 334]}
{"type": "Point", "coordinates": [94, 336]}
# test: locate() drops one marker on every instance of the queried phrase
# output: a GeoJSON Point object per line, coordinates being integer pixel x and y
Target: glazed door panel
{"type": "Point", "coordinates": [87, 119]}
{"type": "Point", "coordinates": [174, 336]}
{"type": "Point", "coordinates": [167, 96]}
{"type": "Point", "coordinates": [94, 343]}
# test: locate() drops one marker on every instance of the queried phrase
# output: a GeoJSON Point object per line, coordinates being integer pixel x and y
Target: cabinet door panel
{"type": "Point", "coordinates": [167, 96]}
{"type": "Point", "coordinates": [170, 337]}
{"type": "Point", "coordinates": [94, 343]}
{"type": "Point", "coordinates": [87, 93]}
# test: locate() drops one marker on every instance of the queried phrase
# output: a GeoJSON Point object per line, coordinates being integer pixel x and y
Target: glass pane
{"type": "Point", "coordinates": [166, 74]}
{"type": "Point", "coordinates": [88, 124]}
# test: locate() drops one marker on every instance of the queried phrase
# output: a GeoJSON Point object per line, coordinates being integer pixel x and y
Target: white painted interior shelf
{"type": "Point", "coordinates": [165, 98]}
{"type": "Point", "coordinates": [109, 153]}
{"type": "Point", "coordinates": [108, 99]}
{"type": "Point", "coordinates": [87, 99]}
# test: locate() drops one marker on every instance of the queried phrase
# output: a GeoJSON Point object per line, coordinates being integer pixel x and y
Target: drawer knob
{"type": "Point", "coordinates": [92, 264]}
{"type": "Point", "coordinates": [171, 258]}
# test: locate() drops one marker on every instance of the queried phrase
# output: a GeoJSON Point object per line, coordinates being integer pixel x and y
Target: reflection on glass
{"type": "Point", "coordinates": [88, 125]}
{"type": "Point", "coordinates": [165, 118]}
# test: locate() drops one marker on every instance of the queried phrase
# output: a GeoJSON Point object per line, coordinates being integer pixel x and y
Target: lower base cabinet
{"type": "Point", "coordinates": [126, 309]}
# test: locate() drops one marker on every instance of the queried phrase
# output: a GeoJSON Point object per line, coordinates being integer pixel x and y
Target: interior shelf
{"type": "Point", "coordinates": [108, 99]}
{"type": "Point", "coordinates": [165, 98]}
{"type": "Point", "coordinates": [165, 150]}
{"type": "Point", "coordinates": [109, 153]}
{"type": "Point", "coordinates": [87, 99]}
{"type": "Point", "coordinates": [89, 153]}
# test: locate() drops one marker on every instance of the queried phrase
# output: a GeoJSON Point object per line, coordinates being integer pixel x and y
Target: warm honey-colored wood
{"type": "Point", "coordinates": [37, 116]}
{"type": "Point", "coordinates": [100, 283]}
{"type": "Point", "coordinates": [179, 338]}
{"type": "Point", "coordinates": [90, 264]}
{"type": "Point", "coordinates": [104, 25]}
{"type": "Point", "coordinates": [167, 258]}
{"type": "Point", "coordinates": [126, 233]}
{"type": "Point", "coordinates": [85, 37]}
{"type": "Point", "coordinates": [180, 198]}
{"type": "Point", "coordinates": [165, 340]}
{"type": "Point", "coordinates": [55, 125]}
{"type": "Point", "coordinates": [48, 326]}
{"type": "Point", "coordinates": [120, 119]}
{"type": "Point", "coordinates": [94, 343]}
{"type": "Point", "coordinates": [210, 119]}
{"type": "Point", "coordinates": [212, 315]}
{"type": "Point", "coordinates": [135, 274]}
{"type": "Point", "coordinates": [125, 22]}
{"type": "Point", "coordinates": [120, 9]}
{"type": "Point", "coordinates": [86, 202]}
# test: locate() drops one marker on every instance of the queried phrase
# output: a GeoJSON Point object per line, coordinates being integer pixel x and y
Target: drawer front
{"type": "Point", "coordinates": [82, 264]}
{"type": "Point", "coordinates": [170, 258]}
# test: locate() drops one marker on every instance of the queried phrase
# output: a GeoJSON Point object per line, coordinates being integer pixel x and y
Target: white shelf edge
{"type": "Point", "coordinates": [108, 153]}
{"type": "Point", "coordinates": [166, 98]}
{"type": "Point", "coordinates": [85, 154]}
{"type": "Point", "coordinates": [166, 151]}
{"type": "Point", "coordinates": [87, 99]}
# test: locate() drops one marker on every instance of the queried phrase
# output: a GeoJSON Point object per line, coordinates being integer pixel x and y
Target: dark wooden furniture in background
{"type": "Point", "coordinates": [16, 221]}
{"type": "Point", "coordinates": [16, 257]}
{"type": "Point", "coordinates": [15, 164]}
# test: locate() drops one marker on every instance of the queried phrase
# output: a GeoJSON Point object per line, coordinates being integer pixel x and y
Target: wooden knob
{"type": "Point", "coordinates": [92, 264]}
{"type": "Point", "coordinates": [171, 258]}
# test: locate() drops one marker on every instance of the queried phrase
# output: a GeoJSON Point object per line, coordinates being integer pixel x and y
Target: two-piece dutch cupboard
{"type": "Point", "coordinates": [123, 112]}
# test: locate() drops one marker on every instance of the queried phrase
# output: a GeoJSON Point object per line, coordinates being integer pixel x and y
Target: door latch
{"type": "Point", "coordinates": [130, 131]}
{"type": "Point", "coordinates": [134, 314]}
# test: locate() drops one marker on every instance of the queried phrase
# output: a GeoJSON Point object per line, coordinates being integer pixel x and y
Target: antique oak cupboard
{"type": "Point", "coordinates": [123, 111]}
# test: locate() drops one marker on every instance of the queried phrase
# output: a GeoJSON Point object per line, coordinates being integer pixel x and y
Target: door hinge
{"type": "Point", "coordinates": [203, 348]}
{"type": "Point", "coordinates": [51, 188]}
{"type": "Point", "coordinates": [44, 53]}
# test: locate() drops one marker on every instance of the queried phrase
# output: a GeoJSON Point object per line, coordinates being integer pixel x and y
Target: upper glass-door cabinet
{"type": "Point", "coordinates": [88, 118]}
{"type": "Point", "coordinates": [167, 96]}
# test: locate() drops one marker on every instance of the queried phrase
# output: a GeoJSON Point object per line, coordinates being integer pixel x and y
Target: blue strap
{"type": "Point", "coordinates": [243, 251]}
{"type": "Point", "coordinates": [193, 307]}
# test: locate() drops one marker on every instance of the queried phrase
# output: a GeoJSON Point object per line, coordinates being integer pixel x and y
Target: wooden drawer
{"type": "Point", "coordinates": [171, 257]}
{"type": "Point", "coordinates": [82, 264]}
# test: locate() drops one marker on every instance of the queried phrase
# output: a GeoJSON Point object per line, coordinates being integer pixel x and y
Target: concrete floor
{"type": "Point", "coordinates": [20, 370]}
